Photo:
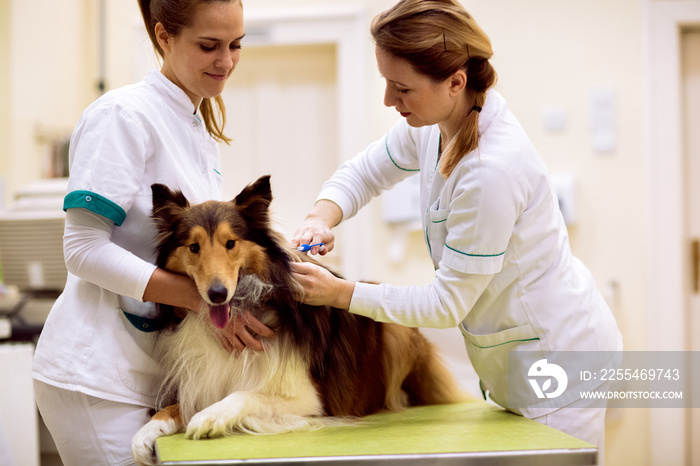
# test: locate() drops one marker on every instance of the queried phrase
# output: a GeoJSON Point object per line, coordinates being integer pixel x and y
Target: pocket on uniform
{"type": "Point", "coordinates": [136, 366]}
{"type": "Point", "coordinates": [520, 334]}
{"type": "Point", "coordinates": [437, 215]}
{"type": "Point", "coordinates": [488, 354]}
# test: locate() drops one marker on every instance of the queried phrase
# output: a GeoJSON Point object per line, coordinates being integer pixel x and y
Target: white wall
{"type": "Point", "coordinates": [550, 54]}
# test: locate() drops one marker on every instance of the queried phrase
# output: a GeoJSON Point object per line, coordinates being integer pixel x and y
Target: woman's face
{"type": "Point", "coordinates": [203, 55]}
{"type": "Point", "coordinates": [415, 96]}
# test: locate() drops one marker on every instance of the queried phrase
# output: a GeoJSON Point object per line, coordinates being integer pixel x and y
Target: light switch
{"type": "Point", "coordinates": [554, 119]}
{"type": "Point", "coordinates": [603, 115]}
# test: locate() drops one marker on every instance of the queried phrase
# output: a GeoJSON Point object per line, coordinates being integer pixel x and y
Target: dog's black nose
{"type": "Point", "coordinates": [217, 294]}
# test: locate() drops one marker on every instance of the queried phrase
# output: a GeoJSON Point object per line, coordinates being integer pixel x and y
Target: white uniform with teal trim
{"type": "Point", "coordinates": [504, 272]}
{"type": "Point", "coordinates": [125, 141]}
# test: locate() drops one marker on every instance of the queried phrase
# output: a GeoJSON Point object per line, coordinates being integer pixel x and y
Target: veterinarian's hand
{"type": "Point", "coordinates": [237, 334]}
{"type": "Point", "coordinates": [322, 288]}
{"type": "Point", "coordinates": [313, 232]}
{"type": "Point", "coordinates": [316, 227]}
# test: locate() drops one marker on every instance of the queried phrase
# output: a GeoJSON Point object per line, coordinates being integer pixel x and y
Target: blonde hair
{"type": "Point", "coordinates": [176, 15]}
{"type": "Point", "coordinates": [438, 38]}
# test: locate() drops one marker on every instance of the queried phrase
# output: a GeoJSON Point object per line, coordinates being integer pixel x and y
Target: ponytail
{"type": "Point", "coordinates": [212, 117]}
{"type": "Point", "coordinates": [480, 77]}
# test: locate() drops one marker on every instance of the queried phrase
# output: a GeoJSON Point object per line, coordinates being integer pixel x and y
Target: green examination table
{"type": "Point", "coordinates": [476, 433]}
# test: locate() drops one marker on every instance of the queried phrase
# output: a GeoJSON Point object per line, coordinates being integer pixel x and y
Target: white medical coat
{"type": "Point", "coordinates": [505, 274]}
{"type": "Point", "coordinates": [125, 141]}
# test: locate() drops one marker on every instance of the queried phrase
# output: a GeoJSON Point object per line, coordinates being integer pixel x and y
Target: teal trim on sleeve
{"type": "Point", "coordinates": [95, 203]}
{"type": "Point", "coordinates": [474, 255]}
{"type": "Point", "coordinates": [386, 144]}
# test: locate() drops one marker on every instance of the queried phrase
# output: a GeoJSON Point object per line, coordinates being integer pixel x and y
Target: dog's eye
{"type": "Point", "coordinates": [230, 244]}
{"type": "Point", "coordinates": [194, 248]}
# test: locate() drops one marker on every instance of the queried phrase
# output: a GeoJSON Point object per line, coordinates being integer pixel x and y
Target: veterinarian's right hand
{"type": "Point", "coordinates": [237, 334]}
{"type": "Point", "coordinates": [317, 225]}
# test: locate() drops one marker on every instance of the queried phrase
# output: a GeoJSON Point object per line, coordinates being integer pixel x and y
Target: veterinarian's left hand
{"type": "Point", "coordinates": [322, 288]}
{"type": "Point", "coordinates": [236, 335]}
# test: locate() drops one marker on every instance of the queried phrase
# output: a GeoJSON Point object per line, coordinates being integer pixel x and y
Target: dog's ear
{"type": "Point", "coordinates": [167, 205]}
{"type": "Point", "coordinates": [255, 198]}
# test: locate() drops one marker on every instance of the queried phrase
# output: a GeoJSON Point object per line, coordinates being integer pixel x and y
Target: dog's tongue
{"type": "Point", "coordinates": [219, 315]}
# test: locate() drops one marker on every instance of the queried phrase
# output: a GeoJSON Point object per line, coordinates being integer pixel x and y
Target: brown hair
{"type": "Point", "coordinates": [176, 15]}
{"type": "Point", "coordinates": [438, 38]}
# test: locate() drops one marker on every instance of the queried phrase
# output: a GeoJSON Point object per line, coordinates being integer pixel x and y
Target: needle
{"type": "Point", "coordinates": [306, 247]}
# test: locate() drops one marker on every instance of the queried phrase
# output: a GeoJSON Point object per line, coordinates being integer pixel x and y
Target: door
{"type": "Point", "coordinates": [281, 106]}
{"type": "Point", "coordinates": [690, 59]}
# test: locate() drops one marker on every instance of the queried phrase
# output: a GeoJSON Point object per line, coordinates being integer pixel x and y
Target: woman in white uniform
{"type": "Point", "coordinates": [95, 379]}
{"type": "Point", "coordinates": [504, 273]}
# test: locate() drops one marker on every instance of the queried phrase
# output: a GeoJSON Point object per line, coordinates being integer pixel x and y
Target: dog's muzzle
{"type": "Point", "coordinates": [220, 311]}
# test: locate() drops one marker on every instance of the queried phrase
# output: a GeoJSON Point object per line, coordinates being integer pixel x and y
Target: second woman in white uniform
{"type": "Point", "coordinates": [504, 273]}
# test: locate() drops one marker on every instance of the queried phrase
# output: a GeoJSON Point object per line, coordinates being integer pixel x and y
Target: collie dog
{"type": "Point", "coordinates": [324, 366]}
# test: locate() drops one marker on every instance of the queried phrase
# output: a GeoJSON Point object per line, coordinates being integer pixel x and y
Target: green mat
{"type": "Point", "coordinates": [458, 428]}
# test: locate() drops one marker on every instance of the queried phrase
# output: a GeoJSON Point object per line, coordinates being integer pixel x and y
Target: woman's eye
{"type": "Point", "coordinates": [404, 91]}
{"type": "Point", "coordinates": [194, 248]}
{"type": "Point", "coordinates": [230, 244]}
{"type": "Point", "coordinates": [236, 46]}
{"type": "Point", "coordinates": [207, 49]}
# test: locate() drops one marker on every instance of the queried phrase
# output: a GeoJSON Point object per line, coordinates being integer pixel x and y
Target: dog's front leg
{"type": "Point", "coordinates": [167, 421]}
{"type": "Point", "coordinates": [256, 413]}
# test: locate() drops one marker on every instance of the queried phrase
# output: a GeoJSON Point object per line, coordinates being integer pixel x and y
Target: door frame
{"type": "Point", "coordinates": [666, 291]}
{"type": "Point", "coordinates": [348, 28]}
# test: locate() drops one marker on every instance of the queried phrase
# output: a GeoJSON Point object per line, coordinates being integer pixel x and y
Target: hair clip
{"type": "Point", "coordinates": [477, 108]}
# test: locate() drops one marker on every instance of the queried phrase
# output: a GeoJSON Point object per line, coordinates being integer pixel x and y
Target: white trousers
{"type": "Point", "coordinates": [89, 430]}
{"type": "Point", "coordinates": [5, 456]}
{"type": "Point", "coordinates": [583, 419]}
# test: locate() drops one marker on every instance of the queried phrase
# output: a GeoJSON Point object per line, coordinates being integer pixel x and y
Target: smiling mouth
{"type": "Point", "coordinates": [218, 77]}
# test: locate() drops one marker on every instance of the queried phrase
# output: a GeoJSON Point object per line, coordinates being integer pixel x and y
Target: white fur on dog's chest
{"type": "Point", "coordinates": [207, 373]}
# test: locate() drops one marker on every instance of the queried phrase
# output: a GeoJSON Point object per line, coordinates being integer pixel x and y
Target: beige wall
{"type": "Point", "coordinates": [549, 54]}
{"type": "Point", "coordinates": [50, 81]}
{"type": "Point", "coordinates": [5, 119]}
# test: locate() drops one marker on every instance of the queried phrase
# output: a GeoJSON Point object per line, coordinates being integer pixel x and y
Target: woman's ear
{"type": "Point", "coordinates": [458, 81]}
{"type": "Point", "coordinates": [162, 37]}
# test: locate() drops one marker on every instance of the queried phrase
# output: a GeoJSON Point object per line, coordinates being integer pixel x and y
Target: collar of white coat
{"type": "Point", "coordinates": [170, 91]}
{"type": "Point", "coordinates": [494, 104]}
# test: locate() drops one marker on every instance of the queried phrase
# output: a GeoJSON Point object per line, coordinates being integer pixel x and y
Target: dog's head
{"type": "Point", "coordinates": [214, 242]}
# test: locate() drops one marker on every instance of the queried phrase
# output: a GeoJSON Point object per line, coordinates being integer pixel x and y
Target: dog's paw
{"type": "Point", "coordinates": [144, 441]}
{"type": "Point", "coordinates": [209, 423]}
